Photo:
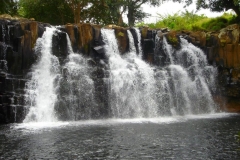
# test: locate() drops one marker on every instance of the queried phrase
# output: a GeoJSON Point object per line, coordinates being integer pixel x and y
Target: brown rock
{"type": "Point", "coordinates": [70, 31]}
{"type": "Point", "coordinates": [85, 36]}
{"type": "Point", "coordinates": [122, 38]}
{"type": "Point", "coordinates": [144, 32]}
{"type": "Point", "coordinates": [199, 37]}
{"type": "Point", "coordinates": [230, 34]}
{"type": "Point", "coordinates": [34, 32]}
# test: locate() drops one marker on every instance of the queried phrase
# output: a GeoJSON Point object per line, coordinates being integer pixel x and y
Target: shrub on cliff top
{"type": "Point", "coordinates": [190, 21]}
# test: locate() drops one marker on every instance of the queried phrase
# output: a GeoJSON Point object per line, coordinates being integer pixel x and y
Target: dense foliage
{"type": "Point", "coordinates": [108, 11]}
{"type": "Point", "coordinates": [8, 7]}
{"type": "Point", "coordinates": [95, 11]}
{"type": "Point", "coordinates": [54, 11]}
{"type": "Point", "coordinates": [216, 5]}
{"type": "Point", "coordinates": [190, 21]}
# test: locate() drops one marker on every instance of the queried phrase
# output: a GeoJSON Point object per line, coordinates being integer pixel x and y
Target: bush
{"type": "Point", "coordinates": [190, 21]}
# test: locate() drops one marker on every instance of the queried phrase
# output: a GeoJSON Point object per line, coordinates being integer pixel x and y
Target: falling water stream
{"type": "Point", "coordinates": [132, 84]}
{"type": "Point", "coordinates": [41, 89]}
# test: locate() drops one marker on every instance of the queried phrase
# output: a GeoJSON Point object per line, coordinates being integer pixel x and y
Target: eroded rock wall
{"type": "Point", "coordinates": [17, 39]}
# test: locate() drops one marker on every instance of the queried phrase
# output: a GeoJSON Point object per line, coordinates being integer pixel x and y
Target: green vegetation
{"type": "Point", "coordinates": [219, 5]}
{"type": "Point", "coordinates": [77, 11]}
{"type": "Point", "coordinates": [190, 21]}
{"type": "Point", "coordinates": [54, 11]}
{"type": "Point", "coordinates": [8, 7]}
{"type": "Point", "coordinates": [111, 12]}
{"type": "Point", "coordinates": [120, 34]}
{"type": "Point", "coordinates": [215, 5]}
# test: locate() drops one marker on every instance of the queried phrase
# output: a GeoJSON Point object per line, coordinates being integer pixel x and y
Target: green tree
{"type": "Point", "coordinates": [48, 11]}
{"type": "Point", "coordinates": [130, 7]}
{"type": "Point", "coordinates": [134, 9]}
{"type": "Point", "coordinates": [65, 11]}
{"type": "Point", "coordinates": [216, 5]}
{"type": "Point", "coordinates": [8, 7]}
{"type": "Point", "coordinates": [77, 7]}
{"type": "Point", "coordinates": [97, 12]}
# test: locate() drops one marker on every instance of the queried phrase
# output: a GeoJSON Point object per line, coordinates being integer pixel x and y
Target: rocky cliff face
{"type": "Point", "coordinates": [18, 37]}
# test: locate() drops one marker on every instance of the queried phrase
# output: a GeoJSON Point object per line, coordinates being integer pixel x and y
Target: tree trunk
{"type": "Point", "coordinates": [131, 18]}
{"type": "Point", "coordinates": [77, 16]}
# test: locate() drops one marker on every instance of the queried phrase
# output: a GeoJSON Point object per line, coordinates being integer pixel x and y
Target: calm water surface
{"type": "Point", "coordinates": [202, 137]}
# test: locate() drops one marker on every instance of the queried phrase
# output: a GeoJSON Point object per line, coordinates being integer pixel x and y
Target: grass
{"type": "Point", "coordinates": [191, 21]}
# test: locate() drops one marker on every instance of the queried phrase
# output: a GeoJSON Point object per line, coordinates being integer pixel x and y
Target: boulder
{"type": "Point", "coordinates": [230, 34]}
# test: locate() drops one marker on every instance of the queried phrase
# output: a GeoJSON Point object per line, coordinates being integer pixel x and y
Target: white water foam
{"type": "Point", "coordinates": [33, 126]}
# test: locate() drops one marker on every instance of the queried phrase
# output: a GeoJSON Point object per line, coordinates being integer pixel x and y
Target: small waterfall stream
{"type": "Point", "coordinates": [41, 89]}
{"type": "Point", "coordinates": [139, 45]}
{"type": "Point", "coordinates": [131, 81]}
{"type": "Point", "coordinates": [135, 88]}
{"type": "Point", "coordinates": [185, 80]}
{"type": "Point", "coordinates": [59, 92]}
{"type": "Point", "coordinates": [76, 88]}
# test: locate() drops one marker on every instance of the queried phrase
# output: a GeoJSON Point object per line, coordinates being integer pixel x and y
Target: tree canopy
{"type": "Point", "coordinates": [217, 5]}
{"type": "Point", "coordinates": [8, 7]}
{"type": "Point", "coordinates": [98, 11]}
{"type": "Point", "coordinates": [48, 11]}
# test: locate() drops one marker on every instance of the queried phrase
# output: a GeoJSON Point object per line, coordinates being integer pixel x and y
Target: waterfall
{"type": "Point", "coordinates": [59, 92]}
{"type": "Point", "coordinates": [76, 89]}
{"type": "Point", "coordinates": [140, 90]}
{"type": "Point", "coordinates": [186, 79]}
{"type": "Point", "coordinates": [40, 90]}
{"type": "Point", "coordinates": [139, 45]}
{"type": "Point", "coordinates": [168, 50]}
{"type": "Point", "coordinates": [132, 84]}
{"type": "Point", "coordinates": [135, 89]}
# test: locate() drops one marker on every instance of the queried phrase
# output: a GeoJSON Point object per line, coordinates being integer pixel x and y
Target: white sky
{"type": "Point", "coordinates": [172, 8]}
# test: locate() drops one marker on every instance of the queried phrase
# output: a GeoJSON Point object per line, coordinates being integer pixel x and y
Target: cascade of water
{"type": "Point", "coordinates": [132, 48]}
{"type": "Point", "coordinates": [187, 80]}
{"type": "Point", "coordinates": [76, 88]}
{"type": "Point", "coordinates": [139, 42]}
{"type": "Point", "coordinates": [40, 90]}
{"type": "Point", "coordinates": [169, 50]}
{"type": "Point", "coordinates": [136, 89]}
{"type": "Point", "coordinates": [131, 81]}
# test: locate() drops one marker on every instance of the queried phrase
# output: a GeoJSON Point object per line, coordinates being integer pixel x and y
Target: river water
{"type": "Point", "coordinates": [202, 137]}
